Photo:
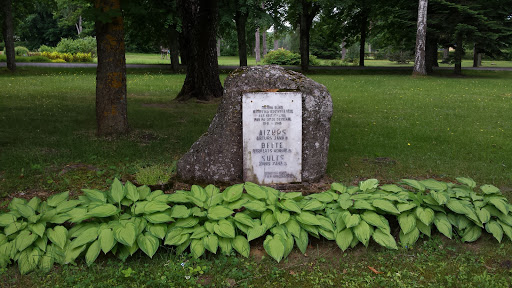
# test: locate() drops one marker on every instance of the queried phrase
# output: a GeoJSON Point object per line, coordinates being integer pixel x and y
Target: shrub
{"type": "Point", "coordinates": [83, 45]}
{"type": "Point", "coordinates": [21, 51]}
{"type": "Point", "coordinates": [153, 175]}
{"type": "Point", "coordinates": [58, 61]}
{"type": "Point", "coordinates": [127, 218]}
{"type": "Point", "coordinates": [45, 48]}
{"type": "Point", "coordinates": [68, 57]}
{"type": "Point", "coordinates": [400, 56]}
{"type": "Point", "coordinates": [282, 57]}
{"type": "Point", "coordinates": [313, 60]}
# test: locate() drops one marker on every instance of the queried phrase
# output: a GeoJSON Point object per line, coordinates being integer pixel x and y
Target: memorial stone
{"type": "Point", "coordinates": [297, 133]}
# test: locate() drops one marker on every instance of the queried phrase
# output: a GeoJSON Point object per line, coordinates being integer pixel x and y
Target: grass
{"type": "Point", "coordinates": [386, 124]}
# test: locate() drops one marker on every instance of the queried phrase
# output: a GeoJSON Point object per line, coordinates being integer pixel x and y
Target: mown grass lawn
{"type": "Point", "coordinates": [386, 125]}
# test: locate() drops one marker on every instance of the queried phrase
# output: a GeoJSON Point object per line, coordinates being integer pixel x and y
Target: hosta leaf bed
{"type": "Point", "coordinates": [126, 218]}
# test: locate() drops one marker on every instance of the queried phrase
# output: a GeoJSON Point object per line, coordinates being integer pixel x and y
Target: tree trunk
{"type": "Point", "coordinates": [174, 46]}
{"type": "Point", "coordinates": [111, 102]}
{"type": "Point", "coordinates": [183, 41]}
{"type": "Point", "coordinates": [430, 54]}
{"type": "Point", "coordinates": [78, 25]}
{"type": "Point", "coordinates": [362, 42]}
{"type": "Point", "coordinates": [477, 57]}
{"type": "Point", "coordinates": [240, 21]}
{"type": "Point", "coordinates": [458, 55]}
{"type": "Point", "coordinates": [257, 45]}
{"type": "Point", "coordinates": [276, 43]}
{"type": "Point", "coordinates": [8, 34]}
{"type": "Point", "coordinates": [421, 37]}
{"type": "Point", "coordinates": [199, 23]}
{"type": "Point", "coordinates": [306, 18]}
{"type": "Point", "coordinates": [446, 54]}
{"type": "Point", "coordinates": [264, 41]}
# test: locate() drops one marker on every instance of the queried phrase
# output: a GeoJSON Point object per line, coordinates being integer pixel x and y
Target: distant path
{"type": "Point", "coordinates": [297, 68]}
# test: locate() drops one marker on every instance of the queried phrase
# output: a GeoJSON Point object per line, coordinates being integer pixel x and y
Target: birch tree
{"type": "Point", "coordinates": [421, 36]}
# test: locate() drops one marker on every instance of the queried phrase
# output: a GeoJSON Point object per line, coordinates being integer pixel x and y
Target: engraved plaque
{"type": "Point", "coordinates": [272, 137]}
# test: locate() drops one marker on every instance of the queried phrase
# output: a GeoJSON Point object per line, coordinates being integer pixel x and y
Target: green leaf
{"type": "Point", "coordinates": [241, 245]}
{"type": "Point", "coordinates": [467, 181]}
{"type": "Point", "coordinates": [490, 189]}
{"type": "Point", "coordinates": [199, 193]}
{"type": "Point", "coordinates": [226, 246]}
{"type": "Point", "coordinates": [156, 206]}
{"type": "Point", "coordinates": [345, 201]}
{"type": "Point", "coordinates": [282, 216]}
{"type": "Point", "coordinates": [199, 232]}
{"type": "Point", "coordinates": [499, 203]}
{"type": "Point", "coordinates": [92, 252]}
{"type": "Point", "coordinates": [211, 243]}
{"type": "Point", "coordinates": [414, 184]}
{"type": "Point", "coordinates": [95, 195]}
{"type": "Point", "coordinates": [350, 220]}
{"type": "Point", "coordinates": [178, 197]}
{"type": "Point", "coordinates": [24, 240]}
{"type": "Point", "coordinates": [383, 238]}
{"type": "Point", "coordinates": [256, 205]}
{"type": "Point", "coordinates": [313, 205]}
{"type": "Point", "coordinates": [117, 191]}
{"type": "Point", "coordinates": [495, 229]}
{"type": "Point", "coordinates": [104, 210]}
{"type": "Point", "coordinates": [159, 217]}
{"type": "Point", "coordinates": [368, 185]}
{"type": "Point", "coordinates": [244, 219]}
{"type": "Point", "coordinates": [274, 247]}
{"type": "Point", "coordinates": [391, 188]}
{"type": "Point", "coordinates": [176, 236]}
{"type": "Point", "coordinates": [324, 197]}
{"type": "Point", "coordinates": [376, 220]}
{"type": "Point", "coordinates": [78, 214]}
{"type": "Point", "coordinates": [407, 222]}
{"type": "Point", "coordinates": [25, 210]}
{"type": "Point", "coordinates": [268, 219]}
{"type": "Point", "coordinates": [106, 240]}
{"type": "Point", "coordinates": [126, 234]}
{"type": "Point", "coordinates": [440, 197]}
{"type": "Point", "coordinates": [197, 248]}
{"type": "Point", "coordinates": [307, 218]}
{"type": "Point", "coordinates": [290, 205]}
{"type": "Point", "coordinates": [187, 222]}
{"type": "Point", "coordinates": [66, 206]}
{"type": "Point", "coordinates": [363, 232]}
{"type": "Point", "coordinates": [131, 192]}
{"type": "Point", "coordinates": [14, 227]}
{"type": "Point", "coordinates": [405, 206]}
{"type": "Point", "coordinates": [28, 260]}
{"type": "Point", "coordinates": [362, 205]}
{"type": "Point", "coordinates": [148, 244]}
{"type": "Point", "coordinates": [425, 229]}
{"type": "Point", "coordinates": [483, 215]}
{"type": "Point", "coordinates": [291, 195]}
{"type": "Point", "coordinates": [443, 225]}
{"type": "Point", "coordinates": [426, 215]}
{"type": "Point", "coordinates": [180, 211]}
{"type": "Point", "coordinates": [457, 206]}
{"type": "Point", "coordinates": [46, 262]}
{"type": "Point", "coordinates": [238, 204]}
{"type": "Point", "coordinates": [85, 237]}
{"type": "Point", "coordinates": [410, 238]}
{"type": "Point", "coordinates": [435, 185]}
{"type": "Point", "coordinates": [385, 205]}
{"type": "Point", "coordinates": [506, 229]}
{"type": "Point", "coordinates": [56, 199]}
{"type": "Point", "coordinates": [255, 190]}
{"type": "Point", "coordinates": [7, 219]}
{"type": "Point", "coordinates": [219, 212]}
{"type": "Point", "coordinates": [344, 239]}
{"type": "Point", "coordinates": [58, 235]}
{"type": "Point", "coordinates": [233, 193]}
{"type": "Point", "coordinates": [144, 192]}
{"type": "Point", "coordinates": [225, 229]}
{"type": "Point", "coordinates": [37, 228]}
{"type": "Point", "coordinates": [256, 232]}
{"type": "Point", "coordinates": [211, 190]}
{"type": "Point", "coordinates": [472, 234]}
{"type": "Point", "coordinates": [293, 227]}
{"type": "Point", "coordinates": [339, 187]}
{"type": "Point", "coordinates": [72, 253]}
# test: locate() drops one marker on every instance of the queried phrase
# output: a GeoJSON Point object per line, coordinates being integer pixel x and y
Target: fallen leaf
{"type": "Point", "coordinates": [374, 270]}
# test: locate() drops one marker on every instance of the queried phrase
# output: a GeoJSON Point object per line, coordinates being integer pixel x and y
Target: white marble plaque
{"type": "Point", "coordinates": [272, 137]}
